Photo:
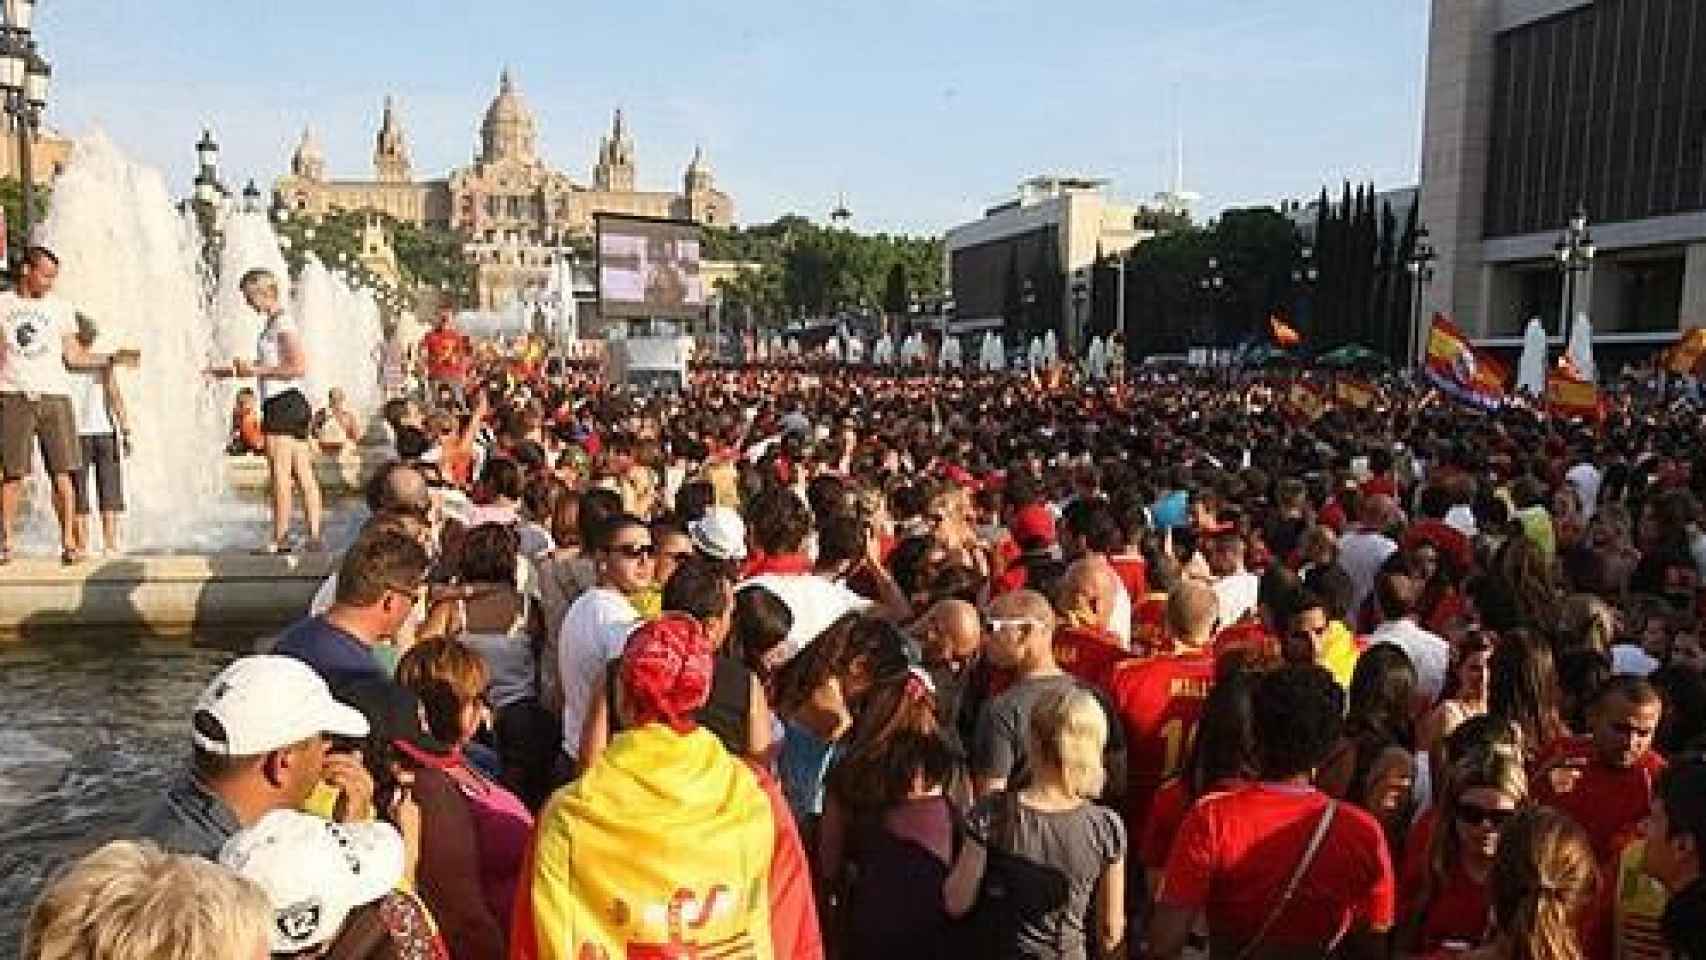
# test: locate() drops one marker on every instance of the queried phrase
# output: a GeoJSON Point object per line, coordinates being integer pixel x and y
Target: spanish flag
{"type": "Point", "coordinates": [1308, 400]}
{"type": "Point", "coordinates": [1569, 394]}
{"type": "Point", "coordinates": [1356, 392]}
{"type": "Point", "coordinates": [666, 847]}
{"type": "Point", "coordinates": [1284, 334]}
{"type": "Point", "coordinates": [1687, 355]}
{"type": "Point", "coordinates": [1461, 371]}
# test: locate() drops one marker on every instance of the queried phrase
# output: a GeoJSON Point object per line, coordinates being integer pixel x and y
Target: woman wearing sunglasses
{"type": "Point", "coordinates": [1445, 874]}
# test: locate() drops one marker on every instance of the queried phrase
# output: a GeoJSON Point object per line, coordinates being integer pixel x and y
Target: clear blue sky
{"type": "Point", "coordinates": [922, 111]}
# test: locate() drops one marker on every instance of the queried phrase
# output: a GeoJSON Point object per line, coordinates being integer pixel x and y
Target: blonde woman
{"type": "Point", "coordinates": [1542, 884]}
{"type": "Point", "coordinates": [281, 363]}
{"type": "Point", "coordinates": [1445, 897]}
{"type": "Point", "coordinates": [130, 901]}
{"type": "Point", "coordinates": [1021, 848]}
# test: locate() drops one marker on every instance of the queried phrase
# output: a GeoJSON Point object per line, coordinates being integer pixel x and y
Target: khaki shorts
{"type": "Point", "coordinates": [46, 419]}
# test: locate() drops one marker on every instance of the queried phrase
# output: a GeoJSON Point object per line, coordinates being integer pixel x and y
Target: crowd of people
{"type": "Point", "coordinates": [825, 663]}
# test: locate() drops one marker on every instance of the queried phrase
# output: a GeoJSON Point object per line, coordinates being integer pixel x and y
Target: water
{"type": "Point", "coordinates": [133, 262]}
{"type": "Point", "coordinates": [95, 730]}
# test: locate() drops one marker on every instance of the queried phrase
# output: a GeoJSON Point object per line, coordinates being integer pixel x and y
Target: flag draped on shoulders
{"type": "Point", "coordinates": [1461, 371]}
{"type": "Point", "coordinates": [666, 847]}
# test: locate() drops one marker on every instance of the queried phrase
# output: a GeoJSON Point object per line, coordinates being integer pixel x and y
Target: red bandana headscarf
{"type": "Point", "coordinates": [666, 672]}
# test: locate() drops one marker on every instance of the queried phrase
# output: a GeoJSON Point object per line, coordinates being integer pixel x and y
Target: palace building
{"type": "Point", "coordinates": [517, 214]}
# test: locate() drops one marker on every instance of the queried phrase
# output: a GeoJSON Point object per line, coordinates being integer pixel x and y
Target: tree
{"type": "Point", "coordinates": [895, 294]}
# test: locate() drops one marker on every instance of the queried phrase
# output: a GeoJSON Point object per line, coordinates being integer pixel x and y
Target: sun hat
{"type": "Point", "coordinates": [315, 872]}
{"type": "Point", "coordinates": [262, 703]}
{"type": "Point", "coordinates": [720, 534]}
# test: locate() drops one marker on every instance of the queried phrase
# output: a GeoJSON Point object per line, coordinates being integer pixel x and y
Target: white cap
{"type": "Point", "coordinates": [1462, 519]}
{"type": "Point", "coordinates": [259, 704]}
{"type": "Point", "coordinates": [315, 872]}
{"type": "Point", "coordinates": [720, 534]}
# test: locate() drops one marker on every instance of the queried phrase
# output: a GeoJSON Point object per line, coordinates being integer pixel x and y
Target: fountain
{"type": "Point", "coordinates": [129, 260]}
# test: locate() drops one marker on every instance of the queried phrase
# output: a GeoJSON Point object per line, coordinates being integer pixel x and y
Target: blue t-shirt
{"type": "Point", "coordinates": [335, 654]}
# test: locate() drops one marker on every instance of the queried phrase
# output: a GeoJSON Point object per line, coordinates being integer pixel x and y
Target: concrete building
{"type": "Point", "coordinates": [1020, 262]}
{"type": "Point", "coordinates": [1536, 106]}
{"type": "Point", "coordinates": [48, 155]}
{"type": "Point", "coordinates": [517, 213]}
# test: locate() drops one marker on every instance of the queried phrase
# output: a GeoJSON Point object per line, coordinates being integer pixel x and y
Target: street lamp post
{"type": "Point", "coordinates": [1213, 286]}
{"type": "Point", "coordinates": [1421, 267]}
{"type": "Point", "coordinates": [1575, 252]}
{"type": "Point", "coordinates": [1304, 277]}
{"type": "Point", "coordinates": [1080, 298]}
{"type": "Point", "coordinates": [24, 78]}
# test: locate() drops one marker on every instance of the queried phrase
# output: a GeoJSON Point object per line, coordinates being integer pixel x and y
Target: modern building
{"type": "Point", "coordinates": [1536, 108]}
{"type": "Point", "coordinates": [518, 214]}
{"type": "Point", "coordinates": [1027, 262]}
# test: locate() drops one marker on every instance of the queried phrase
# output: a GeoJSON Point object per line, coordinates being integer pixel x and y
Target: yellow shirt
{"type": "Point", "coordinates": [1339, 654]}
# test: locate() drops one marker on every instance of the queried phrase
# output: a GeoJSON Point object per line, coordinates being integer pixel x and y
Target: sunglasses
{"type": "Point", "coordinates": [993, 624]}
{"type": "Point", "coordinates": [1471, 815]}
{"type": "Point", "coordinates": [635, 551]}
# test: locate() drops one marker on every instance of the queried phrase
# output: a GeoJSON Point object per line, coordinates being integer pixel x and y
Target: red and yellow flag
{"type": "Point", "coordinates": [1356, 392]}
{"type": "Point", "coordinates": [1456, 367]}
{"type": "Point", "coordinates": [1687, 355]}
{"type": "Point", "coordinates": [1569, 394]}
{"type": "Point", "coordinates": [1308, 399]}
{"type": "Point", "coordinates": [665, 847]}
{"type": "Point", "coordinates": [1284, 334]}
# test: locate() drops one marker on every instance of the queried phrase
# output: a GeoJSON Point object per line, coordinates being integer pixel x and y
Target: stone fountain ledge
{"type": "Point", "coordinates": [208, 595]}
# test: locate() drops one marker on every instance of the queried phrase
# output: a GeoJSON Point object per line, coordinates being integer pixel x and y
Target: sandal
{"type": "Point", "coordinates": [5, 555]}
{"type": "Point", "coordinates": [70, 556]}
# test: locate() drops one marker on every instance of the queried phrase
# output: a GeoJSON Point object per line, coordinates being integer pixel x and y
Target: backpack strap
{"type": "Point", "coordinates": [1291, 885]}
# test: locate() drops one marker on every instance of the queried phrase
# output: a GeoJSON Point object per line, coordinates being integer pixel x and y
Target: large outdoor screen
{"type": "Point", "coordinates": [649, 268]}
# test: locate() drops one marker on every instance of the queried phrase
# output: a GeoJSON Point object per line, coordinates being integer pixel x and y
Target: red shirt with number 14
{"type": "Point", "coordinates": [1159, 701]}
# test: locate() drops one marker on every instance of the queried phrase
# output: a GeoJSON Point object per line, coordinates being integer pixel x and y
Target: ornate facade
{"type": "Point", "coordinates": [517, 214]}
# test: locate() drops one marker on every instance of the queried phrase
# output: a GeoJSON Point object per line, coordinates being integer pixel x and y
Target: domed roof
{"type": "Point", "coordinates": [309, 147]}
{"type": "Point", "coordinates": [508, 130]}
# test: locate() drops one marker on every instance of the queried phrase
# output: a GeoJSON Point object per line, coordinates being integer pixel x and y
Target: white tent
{"type": "Point", "coordinates": [832, 350]}
{"type": "Point", "coordinates": [1051, 350]}
{"type": "Point", "coordinates": [950, 356]}
{"type": "Point", "coordinates": [883, 353]}
{"type": "Point", "coordinates": [1531, 368]}
{"type": "Point", "coordinates": [855, 350]}
{"type": "Point", "coordinates": [1034, 354]}
{"type": "Point", "coordinates": [1096, 360]}
{"type": "Point", "coordinates": [992, 353]}
{"type": "Point", "coordinates": [1580, 350]}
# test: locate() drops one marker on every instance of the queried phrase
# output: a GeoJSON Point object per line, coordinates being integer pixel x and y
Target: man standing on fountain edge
{"type": "Point", "coordinates": [38, 349]}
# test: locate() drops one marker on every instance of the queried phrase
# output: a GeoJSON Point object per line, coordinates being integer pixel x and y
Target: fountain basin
{"type": "Point", "coordinates": [212, 594]}
{"type": "Point", "coordinates": [343, 474]}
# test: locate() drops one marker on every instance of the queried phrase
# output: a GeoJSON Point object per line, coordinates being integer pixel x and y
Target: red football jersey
{"type": "Point", "coordinates": [1166, 811]}
{"type": "Point", "coordinates": [1609, 803]}
{"type": "Point", "coordinates": [1149, 624]}
{"type": "Point", "coordinates": [1236, 851]}
{"type": "Point", "coordinates": [1160, 700]}
{"type": "Point", "coordinates": [1133, 572]}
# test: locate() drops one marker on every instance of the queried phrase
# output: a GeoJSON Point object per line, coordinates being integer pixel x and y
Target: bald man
{"type": "Point", "coordinates": [950, 642]}
{"type": "Point", "coordinates": [1364, 549]}
{"type": "Point", "coordinates": [1021, 640]}
{"type": "Point", "coordinates": [1160, 699]}
{"type": "Point", "coordinates": [1084, 644]}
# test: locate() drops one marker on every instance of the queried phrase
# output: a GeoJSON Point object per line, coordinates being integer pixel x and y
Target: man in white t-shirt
{"type": "Point", "coordinates": [597, 624]}
{"type": "Point", "coordinates": [1363, 549]}
{"type": "Point", "coordinates": [38, 350]}
{"type": "Point", "coordinates": [1399, 595]}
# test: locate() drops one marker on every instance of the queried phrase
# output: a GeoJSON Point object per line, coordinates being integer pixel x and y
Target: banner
{"type": "Point", "coordinates": [1461, 371]}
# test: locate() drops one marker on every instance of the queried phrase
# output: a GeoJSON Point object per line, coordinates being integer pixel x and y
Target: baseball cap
{"type": "Point", "coordinates": [261, 703]}
{"type": "Point", "coordinates": [315, 872]}
{"type": "Point", "coordinates": [720, 534]}
{"type": "Point", "coordinates": [1033, 526]}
